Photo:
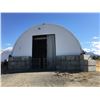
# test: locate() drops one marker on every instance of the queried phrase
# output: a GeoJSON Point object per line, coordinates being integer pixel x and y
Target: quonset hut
{"type": "Point", "coordinates": [46, 47]}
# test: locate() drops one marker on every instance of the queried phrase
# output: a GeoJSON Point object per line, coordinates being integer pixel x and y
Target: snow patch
{"type": "Point", "coordinates": [5, 53]}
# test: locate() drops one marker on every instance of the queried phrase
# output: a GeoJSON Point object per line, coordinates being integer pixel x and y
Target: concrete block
{"type": "Point", "coordinates": [92, 62]}
{"type": "Point", "coordinates": [91, 68]}
{"type": "Point", "coordinates": [84, 68]}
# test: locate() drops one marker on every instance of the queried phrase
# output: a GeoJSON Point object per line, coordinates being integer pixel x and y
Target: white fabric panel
{"type": "Point", "coordinates": [51, 49]}
{"type": "Point", "coordinates": [66, 43]}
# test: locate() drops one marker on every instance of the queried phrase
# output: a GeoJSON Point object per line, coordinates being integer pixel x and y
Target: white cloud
{"type": "Point", "coordinates": [8, 44]}
{"type": "Point", "coordinates": [94, 46]}
{"type": "Point", "coordinates": [87, 50]}
{"type": "Point", "coordinates": [96, 37]}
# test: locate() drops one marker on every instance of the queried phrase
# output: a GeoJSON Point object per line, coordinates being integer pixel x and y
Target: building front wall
{"type": "Point", "coordinates": [66, 43]}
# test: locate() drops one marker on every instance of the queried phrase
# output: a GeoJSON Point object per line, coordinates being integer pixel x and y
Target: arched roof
{"type": "Point", "coordinates": [66, 42]}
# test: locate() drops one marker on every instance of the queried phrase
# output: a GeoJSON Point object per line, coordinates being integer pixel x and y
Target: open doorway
{"type": "Point", "coordinates": [43, 51]}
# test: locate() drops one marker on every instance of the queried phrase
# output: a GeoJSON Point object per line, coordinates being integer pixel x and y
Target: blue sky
{"type": "Point", "coordinates": [85, 26]}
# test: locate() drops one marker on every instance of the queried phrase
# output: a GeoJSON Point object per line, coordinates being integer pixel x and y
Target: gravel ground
{"type": "Point", "coordinates": [51, 79]}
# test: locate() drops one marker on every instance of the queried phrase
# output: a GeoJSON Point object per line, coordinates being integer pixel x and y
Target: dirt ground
{"type": "Point", "coordinates": [51, 79]}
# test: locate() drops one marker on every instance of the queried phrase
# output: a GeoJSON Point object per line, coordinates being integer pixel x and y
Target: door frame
{"type": "Point", "coordinates": [54, 51]}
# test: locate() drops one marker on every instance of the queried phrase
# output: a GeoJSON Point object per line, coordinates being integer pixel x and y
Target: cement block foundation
{"type": "Point", "coordinates": [62, 63]}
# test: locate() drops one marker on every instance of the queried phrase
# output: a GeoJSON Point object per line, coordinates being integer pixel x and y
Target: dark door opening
{"type": "Point", "coordinates": [39, 52]}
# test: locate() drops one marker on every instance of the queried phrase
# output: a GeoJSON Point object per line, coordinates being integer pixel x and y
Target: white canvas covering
{"type": "Point", "coordinates": [65, 41]}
